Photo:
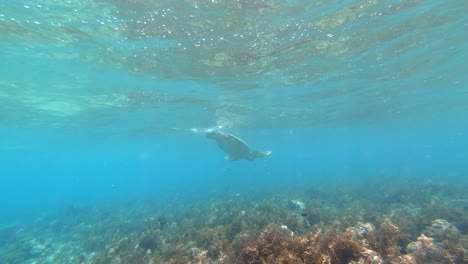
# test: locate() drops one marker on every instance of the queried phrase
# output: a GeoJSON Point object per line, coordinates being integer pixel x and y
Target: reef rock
{"type": "Point", "coordinates": [439, 243]}
{"type": "Point", "coordinates": [363, 233]}
{"type": "Point", "coordinates": [422, 246]}
{"type": "Point", "coordinates": [440, 230]}
{"type": "Point", "coordinates": [369, 257]}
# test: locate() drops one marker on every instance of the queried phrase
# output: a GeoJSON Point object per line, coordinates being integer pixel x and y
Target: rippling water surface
{"type": "Point", "coordinates": [256, 64]}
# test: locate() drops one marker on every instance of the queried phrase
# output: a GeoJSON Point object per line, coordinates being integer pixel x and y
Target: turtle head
{"type": "Point", "coordinates": [259, 154]}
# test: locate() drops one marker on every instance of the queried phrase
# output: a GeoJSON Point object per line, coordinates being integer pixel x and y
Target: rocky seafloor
{"type": "Point", "coordinates": [408, 221]}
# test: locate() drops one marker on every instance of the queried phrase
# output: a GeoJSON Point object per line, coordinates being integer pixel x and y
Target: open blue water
{"type": "Point", "coordinates": [103, 102]}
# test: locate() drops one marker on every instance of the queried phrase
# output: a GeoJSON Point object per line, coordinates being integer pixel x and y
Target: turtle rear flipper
{"type": "Point", "coordinates": [260, 154]}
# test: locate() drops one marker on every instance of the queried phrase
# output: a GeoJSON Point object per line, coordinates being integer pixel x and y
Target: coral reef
{"type": "Point", "coordinates": [312, 226]}
{"type": "Point", "coordinates": [441, 242]}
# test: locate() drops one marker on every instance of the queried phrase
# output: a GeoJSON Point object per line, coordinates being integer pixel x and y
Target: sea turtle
{"type": "Point", "coordinates": [234, 147]}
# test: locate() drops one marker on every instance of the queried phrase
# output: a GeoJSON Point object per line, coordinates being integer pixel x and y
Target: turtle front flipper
{"type": "Point", "coordinates": [260, 154]}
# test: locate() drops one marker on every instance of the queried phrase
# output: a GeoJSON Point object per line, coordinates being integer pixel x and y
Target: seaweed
{"type": "Point", "coordinates": [271, 227]}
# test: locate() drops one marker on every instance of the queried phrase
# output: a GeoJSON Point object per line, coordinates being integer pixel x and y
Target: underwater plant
{"type": "Point", "coordinates": [276, 227]}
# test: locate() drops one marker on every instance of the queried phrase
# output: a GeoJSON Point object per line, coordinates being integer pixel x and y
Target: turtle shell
{"type": "Point", "coordinates": [233, 146]}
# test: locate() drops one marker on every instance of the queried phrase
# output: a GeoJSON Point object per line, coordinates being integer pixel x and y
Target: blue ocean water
{"type": "Point", "coordinates": [105, 102]}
